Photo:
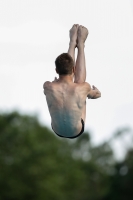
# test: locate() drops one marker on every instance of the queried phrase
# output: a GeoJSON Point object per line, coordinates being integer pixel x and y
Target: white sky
{"type": "Point", "coordinates": [34, 32]}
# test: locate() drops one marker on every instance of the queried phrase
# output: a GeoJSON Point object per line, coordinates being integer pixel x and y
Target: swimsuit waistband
{"type": "Point", "coordinates": [82, 130]}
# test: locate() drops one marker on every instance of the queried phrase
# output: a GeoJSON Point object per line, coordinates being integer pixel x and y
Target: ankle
{"type": "Point", "coordinates": [80, 45]}
{"type": "Point", "coordinates": [72, 44]}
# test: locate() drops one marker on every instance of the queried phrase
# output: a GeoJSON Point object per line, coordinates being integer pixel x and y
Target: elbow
{"type": "Point", "coordinates": [99, 95]}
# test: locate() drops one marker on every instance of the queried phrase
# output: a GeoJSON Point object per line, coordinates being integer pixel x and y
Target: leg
{"type": "Point", "coordinates": [73, 41]}
{"type": "Point", "coordinates": [80, 71]}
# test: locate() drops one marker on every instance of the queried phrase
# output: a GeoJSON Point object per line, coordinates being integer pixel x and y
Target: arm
{"type": "Point", "coordinates": [94, 93]}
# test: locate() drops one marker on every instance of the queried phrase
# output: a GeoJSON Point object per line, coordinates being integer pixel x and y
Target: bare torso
{"type": "Point", "coordinates": [67, 105]}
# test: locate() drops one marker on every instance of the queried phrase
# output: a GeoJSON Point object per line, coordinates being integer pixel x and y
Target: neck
{"type": "Point", "coordinates": [66, 78]}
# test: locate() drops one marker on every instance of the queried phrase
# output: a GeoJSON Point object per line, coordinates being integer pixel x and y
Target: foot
{"type": "Point", "coordinates": [82, 35]}
{"type": "Point", "coordinates": [73, 34]}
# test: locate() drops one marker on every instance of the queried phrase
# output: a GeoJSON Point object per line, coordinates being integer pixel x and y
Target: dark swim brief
{"type": "Point", "coordinates": [82, 130]}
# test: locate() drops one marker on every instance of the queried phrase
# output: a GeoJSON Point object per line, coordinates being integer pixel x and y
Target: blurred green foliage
{"type": "Point", "coordinates": [35, 164]}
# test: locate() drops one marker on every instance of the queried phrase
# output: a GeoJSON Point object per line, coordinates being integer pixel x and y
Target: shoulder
{"type": "Point", "coordinates": [46, 86]}
{"type": "Point", "coordinates": [85, 86]}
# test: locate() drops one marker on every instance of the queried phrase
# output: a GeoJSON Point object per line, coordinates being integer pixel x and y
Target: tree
{"type": "Point", "coordinates": [36, 164]}
{"type": "Point", "coordinates": [121, 180]}
{"type": "Point", "coordinates": [30, 159]}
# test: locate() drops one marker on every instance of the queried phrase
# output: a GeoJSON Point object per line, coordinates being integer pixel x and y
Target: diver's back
{"type": "Point", "coordinates": [65, 105]}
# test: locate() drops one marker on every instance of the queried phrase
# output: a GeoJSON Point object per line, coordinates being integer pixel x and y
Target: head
{"type": "Point", "coordinates": [64, 64]}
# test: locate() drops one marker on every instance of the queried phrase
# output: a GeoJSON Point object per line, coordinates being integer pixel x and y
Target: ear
{"type": "Point", "coordinates": [56, 70]}
{"type": "Point", "coordinates": [73, 70]}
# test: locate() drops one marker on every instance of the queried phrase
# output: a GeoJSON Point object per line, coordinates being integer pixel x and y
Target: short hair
{"type": "Point", "coordinates": [64, 64]}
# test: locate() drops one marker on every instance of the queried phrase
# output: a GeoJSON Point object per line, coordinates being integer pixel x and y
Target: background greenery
{"type": "Point", "coordinates": [35, 164]}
